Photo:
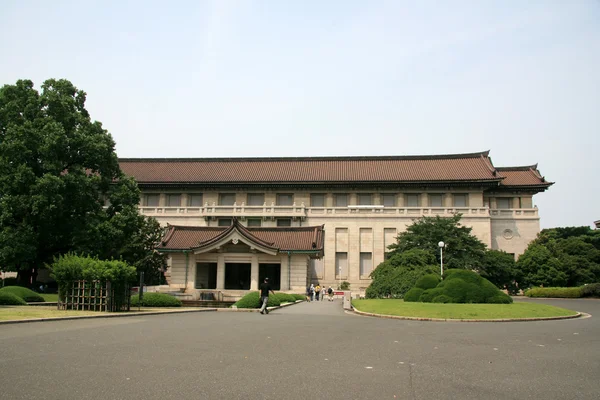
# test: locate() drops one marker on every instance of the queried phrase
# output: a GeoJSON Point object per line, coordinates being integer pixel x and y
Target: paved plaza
{"type": "Point", "coordinates": [309, 350]}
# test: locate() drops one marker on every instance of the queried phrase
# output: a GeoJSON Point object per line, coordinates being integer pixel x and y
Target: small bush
{"type": "Point", "coordinates": [252, 300]}
{"type": "Point", "coordinates": [464, 274]}
{"type": "Point", "coordinates": [413, 294]}
{"type": "Point", "coordinates": [286, 298]}
{"type": "Point", "coordinates": [345, 285]}
{"type": "Point", "coordinates": [429, 294]}
{"type": "Point", "coordinates": [9, 299]}
{"type": "Point", "coordinates": [28, 295]}
{"type": "Point", "coordinates": [558, 292]}
{"type": "Point", "coordinates": [442, 298]}
{"type": "Point", "coordinates": [299, 296]}
{"type": "Point", "coordinates": [155, 300]}
{"type": "Point", "coordinates": [428, 281]}
{"type": "Point", "coordinates": [591, 290]}
{"type": "Point", "coordinates": [502, 298]}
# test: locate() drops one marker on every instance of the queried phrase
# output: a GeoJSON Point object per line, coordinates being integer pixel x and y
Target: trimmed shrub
{"type": "Point", "coordinates": [28, 295]}
{"type": "Point", "coordinates": [429, 294]}
{"type": "Point", "coordinates": [559, 292]}
{"type": "Point", "coordinates": [299, 296]}
{"type": "Point", "coordinates": [285, 298]}
{"type": "Point", "coordinates": [155, 300]}
{"type": "Point", "coordinates": [428, 281]}
{"type": "Point", "coordinates": [252, 300]}
{"type": "Point", "coordinates": [464, 274]}
{"type": "Point", "coordinates": [591, 290]}
{"type": "Point", "coordinates": [9, 299]}
{"type": "Point", "coordinates": [442, 298]}
{"type": "Point", "coordinates": [501, 298]}
{"type": "Point", "coordinates": [413, 294]}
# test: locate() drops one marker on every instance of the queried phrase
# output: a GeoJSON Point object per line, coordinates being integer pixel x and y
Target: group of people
{"type": "Point", "coordinates": [315, 292]}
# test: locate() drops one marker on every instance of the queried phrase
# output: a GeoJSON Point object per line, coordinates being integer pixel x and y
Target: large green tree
{"type": "Point", "coordinates": [463, 249]}
{"type": "Point", "coordinates": [57, 169]}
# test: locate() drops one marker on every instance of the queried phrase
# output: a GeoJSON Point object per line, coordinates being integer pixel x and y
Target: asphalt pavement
{"type": "Point", "coordinates": [309, 350]}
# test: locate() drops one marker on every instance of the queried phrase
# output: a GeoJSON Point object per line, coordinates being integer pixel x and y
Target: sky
{"type": "Point", "coordinates": [229, 78]}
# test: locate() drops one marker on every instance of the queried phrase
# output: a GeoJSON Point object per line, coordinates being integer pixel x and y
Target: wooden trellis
{"type": "Point", "coordinates": [96, 296]}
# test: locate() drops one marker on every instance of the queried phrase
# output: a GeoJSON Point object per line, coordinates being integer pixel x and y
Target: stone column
{"type": "Point", "coordinates": [220, 271]}
{"type": "Point", "coordinates": [254, 272]}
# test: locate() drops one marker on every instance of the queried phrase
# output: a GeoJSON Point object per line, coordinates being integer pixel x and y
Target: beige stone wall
{"type": "Point", "coordinates": [513, 235]}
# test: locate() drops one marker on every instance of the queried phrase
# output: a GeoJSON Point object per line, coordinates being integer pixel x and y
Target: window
{"type": "Point", "coordinates": [225, 221]}
{"type": "Point", "coordinates": [285, 199]}
{"type": "Point", "coordinates": [412, 200]}
{"type": "Point", "coordinates": [284, 222]}
{"type": "Point", "coordinates": [226, 199]}
{"type": "Point", "coordinates": [317, 200]}
{"type": "Point", "coordinates": [173, 200]}
{"type": "Point", "coordinates": [341, 265]}
{"type": "Point", "coordinates": [435, 200]}
{"type": "Point", "coordinates": [256, 199]}
{"type": "Point", "coordinates": [503, 202]}
{"type": "Point", "coordinates": [254, 222]}
{"type": "Point", "coordinates": [151, 200]}
{"type": "Point", "coordinates": [364, 199]}
{"type": "Point", "coordinates": [194, 200]}
{"type": "Point", "coordinates": [388, 199]}
{"type": "Point", "coordinates": [366, 264]}
{"type": "Point", "coordinates": [341, 200]}
{"type": "Point", "coordinates": [460, 200]}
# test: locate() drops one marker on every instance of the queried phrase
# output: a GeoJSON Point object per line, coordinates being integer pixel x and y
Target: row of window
{"type": "Point", "coordinates": [316, 199]}
{"type": "Point", "coordinates": [254, 222]}
{"type": "Point", "coordinates": [341, 264]}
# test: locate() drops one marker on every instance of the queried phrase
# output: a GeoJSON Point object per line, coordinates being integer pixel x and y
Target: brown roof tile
{"type": "Point", "coordinates": [456, 167]}
{"type": "Point", "coordinates": [522, 176]}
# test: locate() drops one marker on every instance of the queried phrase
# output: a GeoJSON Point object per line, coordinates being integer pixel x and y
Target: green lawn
{"type": "Point", "coordinates": [50, 296]}
{"type": "Point", "coordinates": [33, 312]}
{"type": "Point", "coordinates": [459, 311]}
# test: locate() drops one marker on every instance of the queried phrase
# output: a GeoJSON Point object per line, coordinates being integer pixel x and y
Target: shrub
{"type": "Point", "coordinates": [9, 299]}
{"type": "Point", "coordinates": [26, 294]}
{"type": "Point", "coordinates": [501, 298]}
{"type": "Point", "coordinates": [429, 294]}
{"type": "Point", "coordinates": [442, 298]}
{"type": "Point", "coordinates": [464, 274]}
{"type": "Point", "coordinates": [428, 281]}
{"type": "Point", "coordinates": [591, 290]}
{"type": "Point", "coordinates": [155, 300]}
{"type": "Point", "coordinates": [299, 296]}
{"type": "Point", "coordinates": [413, 294]}
{"type": "Point", "coordinates": [345, 286]}
{"type": "Point", "coordinates": [560, 292]}
{"type": "Point", "coordinates": [286, 298]}
{"type": "Point", "coordinates": [252, 300]}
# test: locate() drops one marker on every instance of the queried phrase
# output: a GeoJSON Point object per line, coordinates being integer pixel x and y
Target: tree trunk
{"type": "Point", "coordinates": [27, 277]}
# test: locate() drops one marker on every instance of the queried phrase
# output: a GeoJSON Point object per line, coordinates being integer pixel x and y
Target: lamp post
{"type": "Point", "coordinates": [441, 245]}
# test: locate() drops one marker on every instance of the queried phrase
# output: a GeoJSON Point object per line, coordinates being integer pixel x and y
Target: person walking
{"type": "Point", "coordinates": [265, 288]}
{"type": "Point", "coordinates": [311, 292]}
{"type": "Point", "coordinates": [318, 291]}
{"type": "Point", "coordinates": [330, 293]}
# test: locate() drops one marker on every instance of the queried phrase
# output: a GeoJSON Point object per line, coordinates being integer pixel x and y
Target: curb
{"type": "Point", "coordinates": [115, 315]}
{"type": "Point", "coordinates": [257, 309]}
{"type": "Point", "coordinates": [354, 310]}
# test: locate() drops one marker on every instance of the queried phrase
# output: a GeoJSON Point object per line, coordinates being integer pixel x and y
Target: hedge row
{"type": "Point", "coordinates": [27, 295]}
{"type": "Point", "coordinates": [155, 300]}
{"type": "Point", "coordinates": [9, 299]}
{"type": "Point", "coordinates": [252, 300]}
{"type": "Point", "coordinates": [591, 290]}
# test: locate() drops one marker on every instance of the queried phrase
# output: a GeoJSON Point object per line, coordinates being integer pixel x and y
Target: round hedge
{"type": "Point", "coordinates": [442, 298]}
{"type": "Point", "coordinates": [464, 274]}
{"type": "Point", "coordinates": [26, 294]}
{"type": "Point", "coordinates": [9, 299]}
{"type": "Point", "coordinates": [413, 294]}
{"type": "Point", "coordinates": [428, 281]}
{"type": "Point", "coordinates": [155, 300]}
{"type": "Point", "coordinates": [286, 298]}
{"type": "Point", "coordinates": [501, 298]}
{"type": "Point", "coordinates": [299, 296]}
{"type": "Point", "coordinates": [252, 300]}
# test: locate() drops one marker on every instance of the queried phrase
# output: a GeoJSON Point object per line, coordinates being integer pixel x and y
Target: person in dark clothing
{"type": "Point", "coordinates": [265, 288]}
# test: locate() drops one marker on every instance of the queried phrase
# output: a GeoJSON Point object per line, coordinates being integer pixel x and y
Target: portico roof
{"type": "Point", "coordinates": [270, 240]}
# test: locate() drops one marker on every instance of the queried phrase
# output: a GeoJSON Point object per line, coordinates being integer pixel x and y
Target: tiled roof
{"type": "Point", "coordinates": [439, 168]}
{"type": "Point", "coordinates": [283, 239]}
{"type": "Point", "coordinates": [522, 176]}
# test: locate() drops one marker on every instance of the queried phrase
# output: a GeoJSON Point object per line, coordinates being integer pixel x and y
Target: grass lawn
{"type": "Point", "coordinates": [459, 311]}
{"type": "Point", "coordinates": [53, 297]}
{"type": "Point", "coordinates": [32, 312]}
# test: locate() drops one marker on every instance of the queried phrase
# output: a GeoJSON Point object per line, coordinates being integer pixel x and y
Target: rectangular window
{"type": "Point", "coordinates": [173, 200]}
{"type": "Point", "coordinates": [225, 221]}
{"type": "Point", "coordinates": [388, 200]}
{"type": "Point", "coordinates": [366, 264]}
{"type": "Point", "coordinates": [226, 199]}
{"type": "Point", "coordinates": [341, 200]}
{"type": "Point", "coordinates": [503, 202]}
{"type": "Point", "coordinates": [365, 199]}
{"type": "Point", "coordinates": [317, 200]}
{"type": "Point", "coordinates": [435, 200]}
{"type": "Point", "coordinates": [412, 200]}
{"type": "Point", "coordinates": [194, 200]}
{"type": "Point", "coordinates": [151, 200]}
{"type": "Point", "coordinates": [284, 222]}
{"type": "Point", "coordinates": [341, 265]}
{"type": "Point", "coordinates": [254, 222]}
{"type": "Point", "coordinates": [285, 199]}
{"type": "Point", "coordinates": [256, 199]}
{"type": "Point", "coordinates": [460, 200]}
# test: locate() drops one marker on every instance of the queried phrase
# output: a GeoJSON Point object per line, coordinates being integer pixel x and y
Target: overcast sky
{"type": "Point", "coordinates": [315, 78]}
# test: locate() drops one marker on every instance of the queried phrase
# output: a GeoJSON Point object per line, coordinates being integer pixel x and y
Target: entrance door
{"type": "Point", "coordinates": [206, 275]}
{"type": "Point", "coordinates": [237, 276]}
{"type": "Point", "coordinates": [271, 271]}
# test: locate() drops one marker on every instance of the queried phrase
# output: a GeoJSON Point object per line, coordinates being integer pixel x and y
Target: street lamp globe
{"type": "Point", "coordinates": [441, 244]}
